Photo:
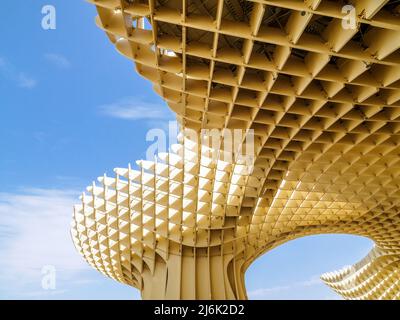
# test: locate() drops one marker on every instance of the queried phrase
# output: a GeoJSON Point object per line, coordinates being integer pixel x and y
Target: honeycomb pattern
{"type": "Point", "coordinates": [376, 277]}
{"type": "Point", "coordinates": [323, 103]}
{"type": "Point", "coordinates": [178, 211]}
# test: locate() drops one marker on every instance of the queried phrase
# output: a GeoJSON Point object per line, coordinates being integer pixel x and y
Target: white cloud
{"type": "Point", "coordinates": [58, 60]}
{"type": "Point", "coordinates": [43, 293]}
{"type": "Point", "coordinates": [136, 109]}
{"type": "Point", "coordinates": [296, 289]}
{"type": "Point", "coordinates": [20, 78]}
{"type": "Point", "coordinates": [34, 232]}
{"type": "Point", "coordinates": [25, 81]}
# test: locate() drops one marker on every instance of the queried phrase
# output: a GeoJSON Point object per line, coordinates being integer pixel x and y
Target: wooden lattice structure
{"type": "Point", "coordinates": [323, 100]}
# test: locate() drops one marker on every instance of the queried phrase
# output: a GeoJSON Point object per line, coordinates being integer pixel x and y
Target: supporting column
{"type": "Point", "coordinates": [201, 273]}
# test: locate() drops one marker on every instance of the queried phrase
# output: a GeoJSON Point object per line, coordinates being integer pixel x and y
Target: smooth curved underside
{"type": "Point", "coordinates": [323, 103]}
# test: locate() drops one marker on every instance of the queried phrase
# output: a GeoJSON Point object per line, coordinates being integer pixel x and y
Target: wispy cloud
{"type": "Point", "coordinates": [136, 109]}
{"type": "Point", "coordinates": [34, 232]}
{"type": "Point", "coordinates": [25, 81]}
{"type": "Point", "coordinates": [287, 290]}
{"type": "Point", "coordinates": [11, 73]}
{"type": "Point", "coordinates": [43, 293]}
{"type": "Point", "coordinates": [58, 60]}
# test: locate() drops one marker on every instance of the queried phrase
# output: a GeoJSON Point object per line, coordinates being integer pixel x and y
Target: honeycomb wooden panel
{"type": "Point", "coordinates": [323, 101]}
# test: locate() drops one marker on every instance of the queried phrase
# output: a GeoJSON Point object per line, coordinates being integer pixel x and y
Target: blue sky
{"type": "Point", "coordinates": [71, 109]}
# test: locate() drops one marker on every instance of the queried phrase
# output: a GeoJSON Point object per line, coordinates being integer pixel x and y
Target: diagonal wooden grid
{"type": "Point", "coordinates": [323, 101]}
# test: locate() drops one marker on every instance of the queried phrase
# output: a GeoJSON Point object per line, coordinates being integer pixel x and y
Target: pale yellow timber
{"type": "Point", "coordinates": [324, 103]}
